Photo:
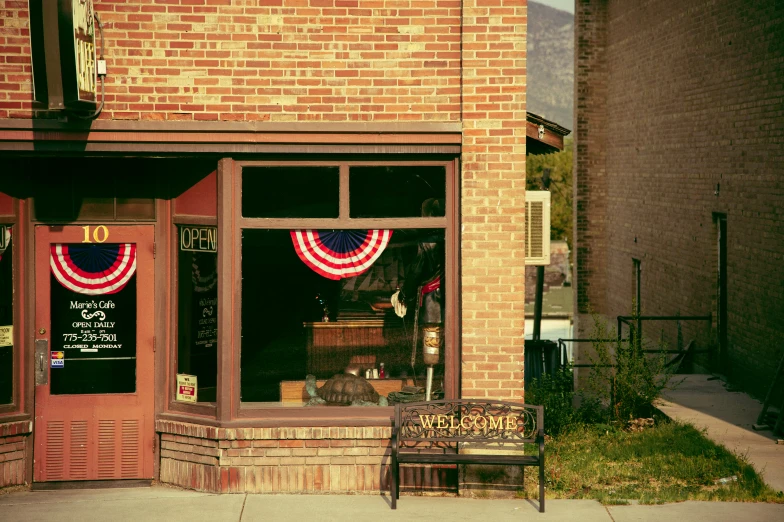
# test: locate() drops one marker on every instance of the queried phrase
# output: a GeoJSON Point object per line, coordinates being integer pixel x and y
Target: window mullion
{"type": "Point", "coordinates": [344, 194]}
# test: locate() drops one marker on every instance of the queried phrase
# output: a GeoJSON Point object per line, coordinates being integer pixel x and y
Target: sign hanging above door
{"type": "Point", "coordinates": [62, 38]}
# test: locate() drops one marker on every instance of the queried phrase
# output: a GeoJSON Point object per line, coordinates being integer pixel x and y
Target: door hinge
{"type": "Point", "coordinates": [153, 344]}
{"type": "Point", "coordinates": [153, 250]}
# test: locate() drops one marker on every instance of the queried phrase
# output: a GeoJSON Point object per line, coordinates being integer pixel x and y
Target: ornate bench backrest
{"type": "Point", "coordinates": [466, 420]}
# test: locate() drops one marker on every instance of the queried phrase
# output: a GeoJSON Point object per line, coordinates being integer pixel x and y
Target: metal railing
{"type": "Point", "coordinates": [630, 321]}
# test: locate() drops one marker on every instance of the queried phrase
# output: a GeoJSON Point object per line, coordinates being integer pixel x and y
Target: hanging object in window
{"type": "Point", "coordinates": [5, 239]}
{"type": "Point", "coordinates": [338, 254]}
{"type": "Point", "coordinates": [93, 269]}
{"type": "Point", "coordinates": [204, 272]}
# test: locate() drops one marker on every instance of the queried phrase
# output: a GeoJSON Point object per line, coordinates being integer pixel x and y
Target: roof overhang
{"type": "Point", "coordinates": [543, 136]}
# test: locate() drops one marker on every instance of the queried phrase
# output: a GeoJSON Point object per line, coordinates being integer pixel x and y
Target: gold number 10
{"type": "Point", "coordinates": [100, 234]}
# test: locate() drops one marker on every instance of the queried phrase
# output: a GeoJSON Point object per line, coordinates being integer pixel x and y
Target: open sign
{"type": "Point", "coordinates": [199, 239]}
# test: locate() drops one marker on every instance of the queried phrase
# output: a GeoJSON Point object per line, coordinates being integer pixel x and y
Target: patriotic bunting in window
{"type": "Point", "coordinates": [93, 269]}
{"type": "Point", "coordinates": [338, 254]}
{"type": "Point", "coordinates": [204, 272]}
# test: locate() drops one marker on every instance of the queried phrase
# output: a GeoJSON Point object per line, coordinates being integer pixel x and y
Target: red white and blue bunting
{"type": "Point", "coordinates": [93, 269]}
{"type": "Point", "coordinates": [338, 254]}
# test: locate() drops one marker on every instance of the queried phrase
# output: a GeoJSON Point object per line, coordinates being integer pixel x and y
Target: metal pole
{"type": "Point", "coordinates": [429, 383]}
{"type": "Point", "coordinates": [639, 305]}
{"type": "Point", "coordinates": [538, 302]}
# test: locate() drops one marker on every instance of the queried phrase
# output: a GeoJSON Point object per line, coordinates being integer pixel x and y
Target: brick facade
{"type": "Point", "coordinates": [679, 117]}
{"type": "Point", "coordinates": [269, 60]}
{"type": "Point", "coordinates": [493, 194]}
{"type": "Point", "coordinates": [590, 180]}
{"type": "Point", "coordinates": [342, 61]}
{"type": "Point", "coordinates": [302, 460]}
{"type": "Point", "coordinates": [14, 437]}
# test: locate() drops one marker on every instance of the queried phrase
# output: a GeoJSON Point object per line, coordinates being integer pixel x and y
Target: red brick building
{"type": "Point", "coordinates": [162, 317]}
{"type": "Point", "coordinates": [678, 174]}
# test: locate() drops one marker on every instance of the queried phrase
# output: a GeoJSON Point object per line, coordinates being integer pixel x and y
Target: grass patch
{"type": "Point", "coordinates": [671, 462]}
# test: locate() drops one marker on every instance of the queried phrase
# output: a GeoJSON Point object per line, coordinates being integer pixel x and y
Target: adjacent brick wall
{"type": "Point", "coordinates": [590, 178]}
{"type": "Point", "coordinates": [493, 193]}
{"type": "Point", "coordinates": [266, 460]}
{"type": "Point", "coordinates": [269, 60]}
{"type": "Point", "coordinates": [13, 444]}
{"type": "Point", "coordinates": [693, 96]}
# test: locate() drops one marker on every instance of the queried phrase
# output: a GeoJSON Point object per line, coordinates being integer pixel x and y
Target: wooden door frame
{"type": "Point", "coordinates": [147, 326]}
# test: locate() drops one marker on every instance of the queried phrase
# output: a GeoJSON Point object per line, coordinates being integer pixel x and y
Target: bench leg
{"type": "Point", "coordinates": [393, 483]}
{"type": "Point", "coordinates": [397, 480]}
{"type": "Point", "coordinates": [541, 488]}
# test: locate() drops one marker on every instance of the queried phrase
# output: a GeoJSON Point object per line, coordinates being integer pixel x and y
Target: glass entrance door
{"type": "Point", "coordinates": [94, 352]}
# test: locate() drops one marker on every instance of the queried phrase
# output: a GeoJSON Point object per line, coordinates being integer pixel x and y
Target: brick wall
{"type": "Point", "coordinates": [13, 462]}
{"type": "Point", "coordinates": [493, 192]}
{"type": "Point", "coordinates": [692, 96]}
{"type": "Point", "coordinates": [590, 182]}
{"type": "Point", "coordinates": [268, 60]}
{"type": "Point", "coordinates": [302, 460]}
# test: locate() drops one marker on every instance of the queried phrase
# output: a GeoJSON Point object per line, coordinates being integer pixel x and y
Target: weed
{"type": "Point", "coordinates": [556, 393]}
{"type": "Point", "coordinates": [624, 377]}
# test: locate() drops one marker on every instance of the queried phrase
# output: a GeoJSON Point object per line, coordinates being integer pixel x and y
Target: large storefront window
{"type": "Point", "coordinates": [349, 315]}
{"type": "Point", "coordinates": [6, 317]}
{"type": "Point", "coordinates": [197, 325]}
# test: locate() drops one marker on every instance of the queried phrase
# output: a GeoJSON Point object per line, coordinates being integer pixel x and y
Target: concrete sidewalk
{"type": "Point", "coordinates": [168, 504]}
{"type": "Point", "coordinates": [727, 417]}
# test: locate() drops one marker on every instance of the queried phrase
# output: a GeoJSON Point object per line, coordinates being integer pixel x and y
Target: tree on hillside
{"type": "Point", "coordinates": [560, 165]}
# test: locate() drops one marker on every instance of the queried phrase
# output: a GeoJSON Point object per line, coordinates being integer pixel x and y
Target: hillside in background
{"type": "Point", "coordinates": [550, 67]}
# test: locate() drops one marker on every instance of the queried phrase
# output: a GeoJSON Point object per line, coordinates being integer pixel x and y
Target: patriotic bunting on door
{"type": "Point", "coordinates": [93, 269]}
{"type": "Point", "coordinates": [340, 254]}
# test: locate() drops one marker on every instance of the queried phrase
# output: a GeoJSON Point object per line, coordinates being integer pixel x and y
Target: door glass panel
{"type": "Point", "coordinates": [135, 208]}
{"type": "Point", "coordinates": [6, 317]}
{"type": "Point", "coordinates": [97, 208]}
{"type": "Point", "coordinates": [93, 318]}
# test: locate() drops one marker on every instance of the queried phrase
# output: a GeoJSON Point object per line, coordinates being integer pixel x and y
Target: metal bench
{"type": "Point", "coordinates": [449, 431]}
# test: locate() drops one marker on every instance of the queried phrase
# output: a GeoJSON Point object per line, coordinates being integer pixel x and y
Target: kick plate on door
{"type": "Point", "coordinates": [41, 361]}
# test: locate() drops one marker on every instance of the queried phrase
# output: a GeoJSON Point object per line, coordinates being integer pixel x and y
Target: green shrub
{"type": "Point", "coordinates": [628, 375]}
{"type": "Point", "coordinates": [556, 393]}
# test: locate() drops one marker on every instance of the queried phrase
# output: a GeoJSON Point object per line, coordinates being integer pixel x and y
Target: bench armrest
{"type": "Point", "coordinates": [540, 439]}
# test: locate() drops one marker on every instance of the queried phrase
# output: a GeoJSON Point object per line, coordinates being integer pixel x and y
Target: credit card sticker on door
{"type": "Point", "coordinates": [58, 359]}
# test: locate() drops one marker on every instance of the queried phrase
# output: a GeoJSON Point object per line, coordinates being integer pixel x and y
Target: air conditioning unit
{"type": "Point", "coordinates": [537, 227]}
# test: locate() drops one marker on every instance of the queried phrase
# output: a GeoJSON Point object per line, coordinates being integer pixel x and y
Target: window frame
{"type": "Point", "coordinates": [10, 411]}
{"type": "Point", "coordinates": [206, 409]}
{"type": "Point", "coordinates": [232, 224]}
